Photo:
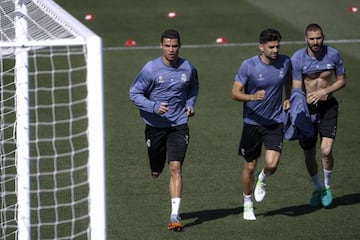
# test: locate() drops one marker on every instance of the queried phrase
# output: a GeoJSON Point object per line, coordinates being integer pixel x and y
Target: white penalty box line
{"type": "Point", "coordinates": [246, 44]}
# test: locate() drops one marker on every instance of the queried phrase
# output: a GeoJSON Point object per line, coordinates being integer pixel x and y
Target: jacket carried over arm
{"type": "Point", "coordinates": [298, 120]}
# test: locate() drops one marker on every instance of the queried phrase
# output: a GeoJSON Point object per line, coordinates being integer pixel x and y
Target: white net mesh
{"type": "Point", "coordinates": [8, 149]}
{"type": "Point", "coordinates": [58, 141]}
{"type": "Point", "coordinates": [42, 22]}
{"type": "Point", "coordinates": [58, 125]}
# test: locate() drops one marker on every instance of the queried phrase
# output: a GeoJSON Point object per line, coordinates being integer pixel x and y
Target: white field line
{"type": "Point", "coordinates": [246, 44]}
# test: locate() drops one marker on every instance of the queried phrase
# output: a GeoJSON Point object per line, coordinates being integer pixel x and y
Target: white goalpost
{"type": "Point", "coordinates": [52, 160]}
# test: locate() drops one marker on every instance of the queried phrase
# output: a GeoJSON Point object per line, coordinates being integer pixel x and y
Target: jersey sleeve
{"type": "Point", "coordinates": [193, 89]}
{"type": "Point", "coordinates": [242, 73]}
{"type": "Point", "coordinates": [296, 62]}
{"type": "Point", "coordinates": [339, 64]}
{"type": "Point", "coordinates": [139, 90]}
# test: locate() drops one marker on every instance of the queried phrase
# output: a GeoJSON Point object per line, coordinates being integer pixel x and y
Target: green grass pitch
{"type": "Point", "coordinates": [138, 206]}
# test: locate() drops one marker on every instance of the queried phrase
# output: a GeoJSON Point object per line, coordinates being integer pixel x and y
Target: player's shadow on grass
{"type": "Point", "coordinates": [292, 211]}
{"type": "Point", "coordinates": [299, 210]}
{"type": "Point", "coordinates": [209, 215]}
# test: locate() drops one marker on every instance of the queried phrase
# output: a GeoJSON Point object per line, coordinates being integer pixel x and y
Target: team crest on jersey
{"type": "Point", "coordinates": [261, 77]}
{"type": "Point", "coordinates": [281, 74]}
{"type": "Point", "coordinates": [160, 79]}
{"type": "Point", "coordinates": [183, 77]}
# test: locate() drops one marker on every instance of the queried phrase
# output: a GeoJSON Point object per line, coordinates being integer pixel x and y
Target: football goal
{"type": "Point", "coordinates": [52, 160]}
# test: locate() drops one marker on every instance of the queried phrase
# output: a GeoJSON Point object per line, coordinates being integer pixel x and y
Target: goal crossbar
{"type": "Point", "coordinates": [41, 43]}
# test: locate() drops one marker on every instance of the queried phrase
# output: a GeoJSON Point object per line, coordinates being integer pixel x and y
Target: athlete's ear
{"type": "Point", "coordinates": [261, 47]}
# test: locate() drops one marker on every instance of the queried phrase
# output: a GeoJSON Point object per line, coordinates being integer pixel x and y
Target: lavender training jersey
{"type": "Point", "coordinates": [304, 65]}
{"type": "Point", "coordinates": [158, 83]}
{"type": "Point", "coordinates": [256, 75]}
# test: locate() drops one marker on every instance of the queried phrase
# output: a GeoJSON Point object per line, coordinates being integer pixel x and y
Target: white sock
{"type": "Point", "coordinates": [247, 199]}
{"type": "Point", "coordinates": [327, 178]}
{"type": "Point", "coordinates": [175, 205]}
{"type": "Point", "coordinates": [262, 176]}
{"type": "Point", "coordinates": [316, 181]}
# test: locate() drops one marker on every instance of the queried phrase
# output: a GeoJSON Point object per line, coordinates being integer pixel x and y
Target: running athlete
{"type": "Point", "coordinates": [259, 83]}
{"type": "Point", "coordinates": [314, 68]}
{"type": "Point", "coordinates": [165, 91]}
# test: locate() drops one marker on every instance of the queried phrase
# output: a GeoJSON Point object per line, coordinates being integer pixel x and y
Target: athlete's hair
{"type": "Point", "coordinates": [269, 35]}
{"type": "Point", "coordinates": [170, 33]}
{"type": "Point", "coordinates": [313, 27]}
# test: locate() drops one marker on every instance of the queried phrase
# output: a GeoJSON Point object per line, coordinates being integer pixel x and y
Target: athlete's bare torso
{"type": "Point", "coordinates": [319, 81]}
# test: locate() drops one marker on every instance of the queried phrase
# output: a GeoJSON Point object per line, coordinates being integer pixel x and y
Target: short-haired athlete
{"type": "Point", "coordinates": [313, 69]}
{"type": "Point", "coordinates": [259, 83]}
{"type": "Point", "coordinates": [165, 91]}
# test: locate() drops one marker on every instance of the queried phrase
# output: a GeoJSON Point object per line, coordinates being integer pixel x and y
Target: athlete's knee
{"type": "Point", "coordinates": [326, 147]}
{"type": "Point", "coordinates": [326, 151]}
{"type": "Point", "coordinates": [175, 167]}
{"type": "Point", "coordinates": [250, 167]}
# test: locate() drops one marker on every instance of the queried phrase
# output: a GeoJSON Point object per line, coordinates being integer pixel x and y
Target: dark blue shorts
{"type": "Point", "coordinates": [326, 125]}
{"type": "Point", "coordinates": [166, 144]}
{"type": "Point", "coordinates": [254, 136]}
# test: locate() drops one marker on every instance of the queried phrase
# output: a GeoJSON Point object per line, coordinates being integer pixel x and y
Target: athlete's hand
{"type": "Point", "coordinates": [315, 96]}
{"type": "Point", "coordinates": [189, 111]}
{"type": "Point", "coordinates": [164, 107]}
{"type": "Point", "coordinates": [286, 105]}
{"type": "Point", "coordinates": [259, 95]}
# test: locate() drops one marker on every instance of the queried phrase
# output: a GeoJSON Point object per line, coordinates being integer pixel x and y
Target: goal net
{"type": "Point", "coordinates": [51, 124]}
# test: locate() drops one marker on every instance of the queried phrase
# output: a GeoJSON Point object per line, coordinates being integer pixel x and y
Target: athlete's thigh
{"type": "Point", "coordinates": [250, 143]}
{"type": "Point", "coordinates": [328, 122]}
{"type": "Point", "coordinates": [177, 142]}
{"type": "Point", "coordinates": [273, 137]}
{"type": "Point", "coordinates": [155, 139]}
